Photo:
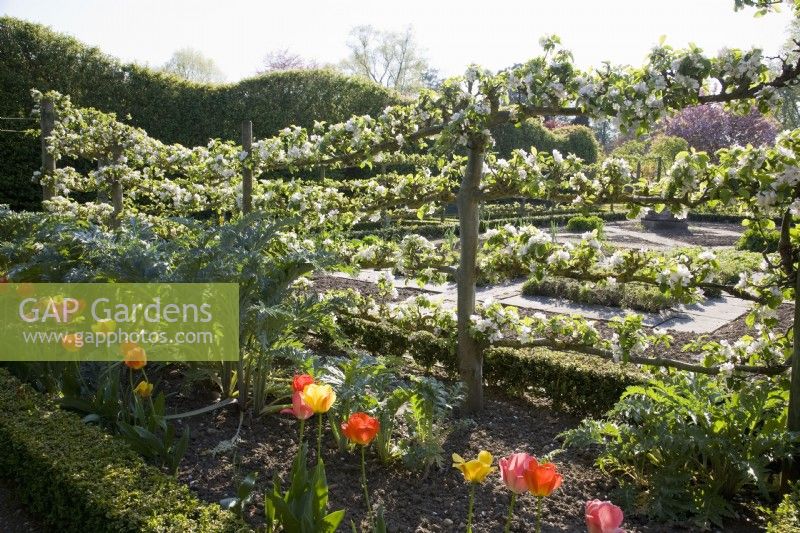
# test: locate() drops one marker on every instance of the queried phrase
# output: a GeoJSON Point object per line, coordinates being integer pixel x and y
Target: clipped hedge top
{"type": "Point", "coordinates": [79, 478]}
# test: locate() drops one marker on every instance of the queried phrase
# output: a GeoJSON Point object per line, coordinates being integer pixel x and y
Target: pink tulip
{"type": "Point", "coordinates": [299, 409]}
{"type": "Point", "coordinates": [603, 517]}
{"type": "Point", "coordinates": [512, 471]}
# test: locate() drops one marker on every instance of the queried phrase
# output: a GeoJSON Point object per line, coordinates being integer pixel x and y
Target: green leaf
{"type": "Point", "coordinates": [331, 522]}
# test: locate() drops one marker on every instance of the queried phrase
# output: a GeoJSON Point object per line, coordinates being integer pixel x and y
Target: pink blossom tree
{"type": "Point", "coordinates": [709, 127]}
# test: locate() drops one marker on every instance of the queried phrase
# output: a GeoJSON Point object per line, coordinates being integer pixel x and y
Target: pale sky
{"type": "Point", "coordinates": [237, 34]}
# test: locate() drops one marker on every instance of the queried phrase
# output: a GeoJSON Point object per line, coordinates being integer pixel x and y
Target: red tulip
{"type": "Point", "coordinates": [512, 471]}
{"type": "Point", "coordinates": [301, 381]}
{"type": "Point", "coordinates": [361, 428]}
{"type": "Point", "coordinates": [542, 479]}
{"type": "Point", "coordinates": [603, 517]}
{"type": "Point", "coordinates": [299, 409]}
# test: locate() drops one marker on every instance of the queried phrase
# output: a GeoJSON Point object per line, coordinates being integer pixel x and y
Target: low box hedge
{"type": "Point", "coordinates": [437, 230]}
{"type": "Point", "coordinates": [574, 382]}
{"type": "Point", "coordinates": [78, 478]}
{"type": "Point", "coordinates": [786, 518]}
{"type": "Point", "coordinates": [637, 296]}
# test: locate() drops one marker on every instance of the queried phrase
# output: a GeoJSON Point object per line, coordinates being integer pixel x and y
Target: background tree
{"type": "Point", "coordinates": [605, 132]}
{"type": "Point", "coordinates": [285, 59]}
{"type": "Point", "coordinates": [709, 128]}
{"type": "Point", "coordinates": [192, 65]}
{"type": "Point", "coordinates": [788, 113]}
{"type": "Point", "coordinates": [390, 59]}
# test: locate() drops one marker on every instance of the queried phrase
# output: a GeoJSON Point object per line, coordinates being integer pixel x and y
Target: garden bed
{"type": "Point", "coordinates": [414, 501]}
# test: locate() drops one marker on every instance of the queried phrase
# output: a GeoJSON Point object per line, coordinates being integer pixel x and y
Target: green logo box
{"type": "Point", "coordinates": [119, 321]}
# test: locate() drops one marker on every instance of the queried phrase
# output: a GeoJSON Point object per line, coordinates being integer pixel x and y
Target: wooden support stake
{"type": "Point", "coordinates": [116, 192]}
{"type": "Point", "coordinates": [247, 174]}
{"type": "Point", "coordinates": [47, 120]}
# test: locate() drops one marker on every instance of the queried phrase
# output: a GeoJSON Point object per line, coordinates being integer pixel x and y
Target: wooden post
{"type": "Point", "coordinates": [247, 174]}
{"type": "Point", "coordinates": [386, 220]}
{"type": "Point", "coordinates": [116, 192]}
{"type": "Point", "coordinates": [791, 468]}
{"type": "Point", "coordinates": [470, 357]}
{"type": "Point", "coordinates": [658, 171]}
{"type": "Point", "coordinates": [639, 169]}
{"type": "Point", "coordinates": [47, 120]}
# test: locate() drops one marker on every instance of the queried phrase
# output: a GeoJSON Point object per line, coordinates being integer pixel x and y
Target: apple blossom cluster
{"type": "Point", "coordinates": [628, 341]}
{"type": "Point", "coordinates": [419, 313]}
{"type": "Point", "coordinates": [462, 112]}
{"type": "Point", "coordinates": [765, 346]}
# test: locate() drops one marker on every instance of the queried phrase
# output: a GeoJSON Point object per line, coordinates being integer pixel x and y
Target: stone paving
{"type": "Point", "coordinates": [704, 317]}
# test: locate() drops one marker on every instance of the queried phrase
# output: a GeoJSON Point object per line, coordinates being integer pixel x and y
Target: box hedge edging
{"type": "Point", "coordinates": [78, 478]}
{"type": "Point", "coordinates": [786, 518]}
{"type": "Point", "coordinates": [574, 382]}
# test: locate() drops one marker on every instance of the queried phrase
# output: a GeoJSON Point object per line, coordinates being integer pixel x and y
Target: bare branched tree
{"type": "Point", "coordinates": [192, 65]}
{"type": "Point", "coordinates": [286, 60]}
{"type": "Point", "coordinates": [390, 59]}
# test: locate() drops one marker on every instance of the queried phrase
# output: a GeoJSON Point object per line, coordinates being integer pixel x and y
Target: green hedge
{"type": "Point", "coordinates": [170, 109]}
{"type": "Point", "coordinates": [578, 140]}
{"type": "Point", "coordinates": [585, 223]}
{"type": "Point", "coordinates": [635, 296]}
{"type": "Point", "coordinates": [78, 478]}
{"type": "Point", "coordinates": [786, 518]}
{"type": "Point", "coordinates": [437, 230]}
{"type": "Point", "coordinates": [574, 382]}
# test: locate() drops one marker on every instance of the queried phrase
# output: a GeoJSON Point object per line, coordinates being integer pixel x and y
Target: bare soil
{"type": "Point", "coordinates": [14, 517]}
{"type": "Point", "coordinates": [413, 501]}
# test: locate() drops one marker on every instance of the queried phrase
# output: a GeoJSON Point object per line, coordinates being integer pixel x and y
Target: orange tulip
{"type": "Point", "coordinates": [361, 428]}
{"type": "Point", "coordinates": [135, 358]}
{"type": "Point", "coordinates": [300, 382]}
{"type": "Point", "coordinates": [25, 290]}
{"type": "Point", "coordinates": [542, 479]}
{"type": "Point", "coordinates": [72, 342]}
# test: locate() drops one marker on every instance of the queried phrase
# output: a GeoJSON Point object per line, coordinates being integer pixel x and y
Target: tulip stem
{"type": "Point", "coordinates": [538, 514]}
{"type": "Point", "coordinates": [471, 505]}
{"type": "Point", "coordinates": [364, 483]}
{"type": "Point", "coordinates": [302, 430]}
{"type": "Point", "coordinates": [319, 437]}
{"type": "Point", "coordinates": [510, 512]}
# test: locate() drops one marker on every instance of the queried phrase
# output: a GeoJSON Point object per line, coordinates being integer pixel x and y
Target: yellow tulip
{"type": "Point", "coordinates": [104, 326]}
{"type": "Point", "coordinates": [319, 397]}
{"type": "Point", "coordinates": [476, 470]}
{"type": "Point", "coordinates": [143, 389]}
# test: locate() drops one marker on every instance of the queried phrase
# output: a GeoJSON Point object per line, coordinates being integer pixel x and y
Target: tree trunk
{"type": "Point", "coordinates": [470, 358]}
{"type": "Point", "coordinates": [791, 469]}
